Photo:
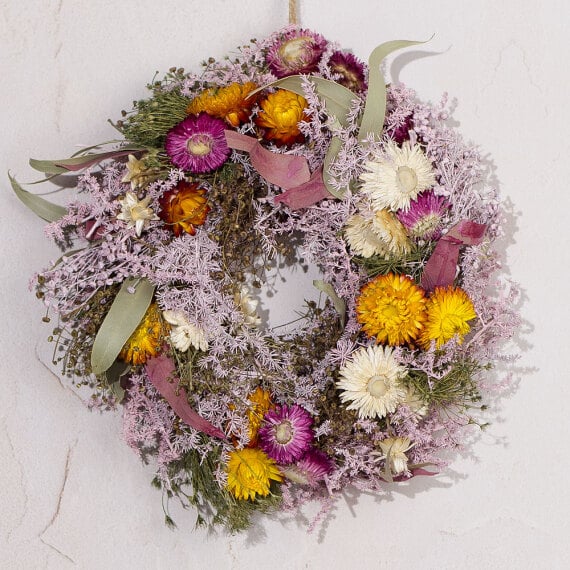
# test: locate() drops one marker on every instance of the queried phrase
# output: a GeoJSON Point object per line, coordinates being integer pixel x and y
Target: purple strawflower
{"type": "Point", "coordinates": [198, 144]}
{"type": "Point", "coordinates": [296, 51]}
{"type": "Point", "coordinates": [286, 433]}
{"type": "Point", "coordinates": [424, 217]}
{"type": "Point", "coordinates": [313, 467]}
{"type": "Point", "coordinates": [402, 132]}
{"type": "Point", "coordinates": [350, 69]}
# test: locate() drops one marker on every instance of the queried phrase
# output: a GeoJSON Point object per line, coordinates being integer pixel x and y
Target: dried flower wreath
{"type": "Point", "coordinates": [155, 294]}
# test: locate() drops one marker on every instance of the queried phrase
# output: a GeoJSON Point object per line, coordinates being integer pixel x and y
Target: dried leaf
{"type": "Point", "coordinates": [375, 108]}
{"type": "Point", "coordinates": [338, 303]}
{"type": "Point", "coordinates": [123, 318]}
{"type": "Point", "coordinates": [40, 206]}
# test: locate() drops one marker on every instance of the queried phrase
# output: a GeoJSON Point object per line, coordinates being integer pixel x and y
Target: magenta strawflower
{"type": "Point", "coordinates": [198, 144]}
{"type": "Point", "coordinates": [286, 433]}
{"type": "Point", "coordinates": [296, 51]}
{"type": "Point", "coordinates": [350, 69]}
{"type": "Point", "coordinates": [424, 218]}
{"type": "Point", "coordinates": [401, 133]}
{"type": "Point", "coordinates": [313, 467]}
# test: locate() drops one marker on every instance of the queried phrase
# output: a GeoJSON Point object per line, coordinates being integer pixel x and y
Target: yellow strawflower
{"type": "Point", "coordinates": [146, 340]}
{"type": "Point", "coordinates": [448, 311]}
{"type": "Point", "coordinates": [280, 116]}
{"type": "Point", "coordinates": [392, 309]}
{"type": "Point", "coordinates": [250, 473]}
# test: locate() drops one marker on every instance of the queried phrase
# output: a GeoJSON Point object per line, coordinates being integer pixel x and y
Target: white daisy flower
{"type": "Point", "coordinates": [184, 334]}
{"type": "Point", "coordinates": [370, 381]}
{"type": "Point", "coordinates": [394, 451]}
{"type": "Point", "coordinates": [136, 212]}
{"type": "Point", "coordinates": [248, 306]}
{"type": "Point", "coordinates": [395, 179]}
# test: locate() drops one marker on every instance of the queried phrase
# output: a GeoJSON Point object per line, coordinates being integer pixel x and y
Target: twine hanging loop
{"type": "Point", "coordinates": [293, 12]}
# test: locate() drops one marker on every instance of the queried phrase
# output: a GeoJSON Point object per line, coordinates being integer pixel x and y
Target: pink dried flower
{"type": "Point", "coordinates": [350, 69]}
{"type": "Point", "coordinates": [296, 51]}
{"type": "Point", "coordinates": [286, 433]}
{"type": "Point", "coordinates": [198, 144]}
{"type": "Point", "coordinates": [313, 467]}
{"type": "Point", "coordinates": [401, 133]}
{"type": "Point", "coordinates": [424, 218]}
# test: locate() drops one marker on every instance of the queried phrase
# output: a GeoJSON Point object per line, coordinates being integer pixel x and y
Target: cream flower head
{"type": "Point", "coordinates": [381, 234]}
{"type": "Point", "coordinates": [248, 306]}
{"type": "Point", "coordinates": [370, 381]}
{"type": "Point", "coordinates": [394, 451]}
{"type": "Point", "coordinates": [184, 334]}
{"type": "Point", "coordinates": [136, 212]}
{"type": "Point", "coordinates": [395, 178]}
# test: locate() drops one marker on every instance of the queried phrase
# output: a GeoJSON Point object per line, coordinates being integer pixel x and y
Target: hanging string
{"type": "Point", "coordinates": [293, 12]}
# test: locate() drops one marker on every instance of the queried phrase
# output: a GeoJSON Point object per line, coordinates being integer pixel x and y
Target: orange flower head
{"type": "Point", "coordinates": [392, 308]}
{"type": "Point", "coordinates": [280, 116]}
{"type": "Point", "coordinates": [184, 207]}
{"type": "Point", "coordinates": [261, 403]}
{"type": "Point", "coordinates": [146, 340]}
{"type": "Point", "coordinates": [228, 103]}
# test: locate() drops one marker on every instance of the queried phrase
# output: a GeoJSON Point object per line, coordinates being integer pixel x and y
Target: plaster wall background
{"type": "Point", "coordinates": [72, 495]}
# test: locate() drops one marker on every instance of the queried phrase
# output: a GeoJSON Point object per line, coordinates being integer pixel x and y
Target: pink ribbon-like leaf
{"type": "Point", "coordinates": [440, 268]}
{"type": "Point", "coordinates": [288, 171]}
{"type": "Point", "coordinates": [161, 371]}
{"type": "Point", "coordinates": [305, 195]}
{"type": "Point", "coordinates": [284, 170]}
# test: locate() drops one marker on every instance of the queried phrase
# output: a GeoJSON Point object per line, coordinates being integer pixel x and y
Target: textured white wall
{"type": "Point", "coordinates": [73, 495]}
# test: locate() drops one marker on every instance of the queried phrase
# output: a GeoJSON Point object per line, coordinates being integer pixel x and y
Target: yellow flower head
{"type": "Point", "coordinates": [250, 473]}
{"type": "Point", "coordinates": [228, 103]}
{"type": "Point", "coordinates": [392, 309]}
{"type": "Point", "coordinates": [280, 116]}
{"type": "Point", "coordinates": [146, 340]}
{"type": "Point", "coordinates": [260, 404]}
{"type": "Point", "coordinates": [448, 311]}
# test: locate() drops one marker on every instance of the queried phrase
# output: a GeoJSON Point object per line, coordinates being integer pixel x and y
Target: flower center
{"type": "Point", "coordinates": [293, 51]}
{"type": "Point", "coordinates": [199, 145]}
{"type": "Point", "coordinates": [390, 311]}
{"type": "Point", "coordinates": [284, 432]}
{"type": "Point", "coordinates": [139, 212]}
{"type": "Point", "coordinates": [377, 386]}
{"type": "Point", "coordinates": [407, 179]}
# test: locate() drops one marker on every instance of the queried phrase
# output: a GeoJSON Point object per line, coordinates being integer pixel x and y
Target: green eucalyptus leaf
{"type": "Point", "coordinates": [113, 377]}
{"type": "Point", "coordinates": [337, 98]}
{"type": "Point", "coordinates": [337, 302]}
{"type": "Point", "coordinates": [40, 206]}
{"type": "Point", "coordinates": [47, 166]}
{"type": "Point", "coordinates": [124, 316]}
{"type": "Point", "coordinates": [334, 148]}
{"type": "Point", "coordinates": [375, 107]}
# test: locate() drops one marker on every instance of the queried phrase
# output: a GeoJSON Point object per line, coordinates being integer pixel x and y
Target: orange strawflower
{"type": "Point", "coordinates": [147, 339]}
{"type": "Point", "coordinates": [392, 308]}
{"type": "Point", "coordinates": [184, 207]}
{"type": "Point", "coordinates": [228, 103]}
{"type": "Point", "coordinates": [261, 403]}
{"type": "Point", "coordinates": [280, 116]}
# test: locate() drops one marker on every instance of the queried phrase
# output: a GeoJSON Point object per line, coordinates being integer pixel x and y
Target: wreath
{"type": "Point", "coordinates": [293, 147]}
